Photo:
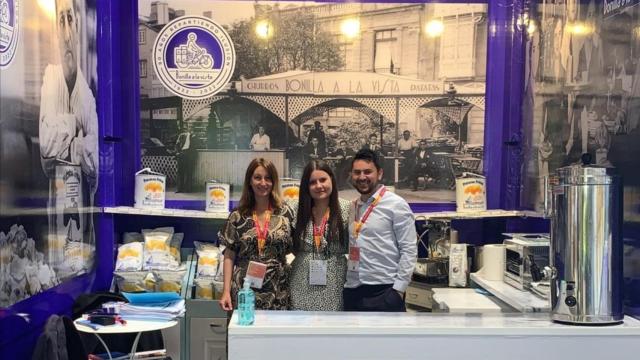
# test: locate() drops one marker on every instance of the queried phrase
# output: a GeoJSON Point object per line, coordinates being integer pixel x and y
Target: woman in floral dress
{"type": "Point", "coordinates": [258, 231]}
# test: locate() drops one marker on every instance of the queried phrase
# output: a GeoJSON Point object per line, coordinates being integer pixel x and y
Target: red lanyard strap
{"type": "Point", "coordinates": [357, 224]}
{"type": "Point", "coordinates": [318, 231]}
{"type": "Point", "coordinates": [262, 231]}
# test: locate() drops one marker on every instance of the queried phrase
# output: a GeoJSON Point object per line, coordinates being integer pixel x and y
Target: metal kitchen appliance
{"type": "Point", "coordinates": [434, 240]}
{"type": "Point", "coordinates": [586, 244]}
{"type": "Point", "coordinates": [432, 270]}
{"type": "Point", "coordinates": [526, 255]}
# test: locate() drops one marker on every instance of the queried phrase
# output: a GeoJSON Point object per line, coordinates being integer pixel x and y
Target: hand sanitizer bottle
{"type": "Point", "coordinates": [246, 304]}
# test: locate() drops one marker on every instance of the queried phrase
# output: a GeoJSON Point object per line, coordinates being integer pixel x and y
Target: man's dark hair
{"type": "Point", "coordinates": [367, 155]}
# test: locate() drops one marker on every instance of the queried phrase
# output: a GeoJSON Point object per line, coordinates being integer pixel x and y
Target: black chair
{"type": "Point", "coordinates": [60, 340]}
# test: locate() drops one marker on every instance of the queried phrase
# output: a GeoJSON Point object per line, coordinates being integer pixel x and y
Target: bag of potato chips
{"type": "Point", "coordinates": [157, 254]}
{"type": "Point", "coordinates": [170, 280]}
{"type": "Point", "coordinates": [204, 289]}
{"type": "Point", "coordinates": [130, 257]}
{"type": "Point", "coordinates": [175, 244]}
{"type": "Point", "coordinates": [208, 259]}
{"type": "Point", "coordinates": [135, 281]}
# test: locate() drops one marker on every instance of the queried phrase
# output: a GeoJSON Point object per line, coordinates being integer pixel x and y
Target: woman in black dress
{"type": "Point", "coordinates": [320, 240]}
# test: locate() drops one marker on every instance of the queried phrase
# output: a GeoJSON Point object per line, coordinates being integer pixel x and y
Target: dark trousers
{"type": "Point", "coordinates": [186, 164]}
{"type": "Point", "coordinates": [373, 298]}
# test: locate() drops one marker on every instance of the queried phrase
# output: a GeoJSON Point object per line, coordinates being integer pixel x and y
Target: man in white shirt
{"type": "Point", "coordinates": [186, 158]}
{"type": "Point", "coordinates": [382, 241]}
{"type": "Point", "coordinates": [260, 141]}
{"type": "Point", "coordinates": [406, 146]}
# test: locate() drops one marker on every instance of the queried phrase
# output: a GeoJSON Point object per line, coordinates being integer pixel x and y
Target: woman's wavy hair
{"type": "Point", "coordinates": [248, 199]}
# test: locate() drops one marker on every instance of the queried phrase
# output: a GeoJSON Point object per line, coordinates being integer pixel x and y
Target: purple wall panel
{"type": "Point", "coordinates": [505, 63]}
{"type": "Point", "coordinates": [21, 324]}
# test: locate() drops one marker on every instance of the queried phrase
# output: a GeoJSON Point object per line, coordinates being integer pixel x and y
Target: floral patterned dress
{"type": "Point", "coordinates": [320, 297]}
{"type": "Point", "coordinates": [239, 235]}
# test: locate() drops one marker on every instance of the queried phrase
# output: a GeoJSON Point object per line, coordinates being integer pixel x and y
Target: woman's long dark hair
{"type": "Point", "coordinates": [305, 203]}
{"type": "Point", "coordinates": [248, 199]}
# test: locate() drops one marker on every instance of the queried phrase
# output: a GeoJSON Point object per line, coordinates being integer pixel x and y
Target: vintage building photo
{"type": "Point", "coordinates": [321, 81]}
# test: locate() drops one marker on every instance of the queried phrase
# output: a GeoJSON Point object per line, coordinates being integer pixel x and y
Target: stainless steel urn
{"type": "Point", "coordinates": [586, 245]}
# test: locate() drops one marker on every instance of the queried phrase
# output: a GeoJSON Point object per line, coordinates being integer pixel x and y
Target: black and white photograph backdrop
{"type": "Point", "coordinates": [583, 75]}
{"type": "Point", "coordinates": [49, 156]}
{"type": "Point", "coordinates": [321, 80]}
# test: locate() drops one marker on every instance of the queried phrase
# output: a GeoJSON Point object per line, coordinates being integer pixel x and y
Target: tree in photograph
{"type": "Point", "coordinates": [356, 130]}
{"type": "Point", "coordinates": [294, 44]}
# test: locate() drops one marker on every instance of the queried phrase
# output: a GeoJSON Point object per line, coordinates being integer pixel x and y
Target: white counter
{"type": "Point", "coordinates": [229, 166]}
{"type": "Point", "coordinates": [317, 335]}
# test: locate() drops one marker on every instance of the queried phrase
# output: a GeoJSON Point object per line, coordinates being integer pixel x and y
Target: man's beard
{"type": "Point", "coordinates": [370, 189]}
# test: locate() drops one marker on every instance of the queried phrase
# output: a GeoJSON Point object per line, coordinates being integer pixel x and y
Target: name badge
{"type": "Point", "coordinates": [256, 273]}
{"type": "Point", "coordinates": [353, 263]}
{"type": "Point", "coordinates": [317, 272]}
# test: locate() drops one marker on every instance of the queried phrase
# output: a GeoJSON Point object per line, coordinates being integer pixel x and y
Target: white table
{"type": "Point", "coordinates": [132, 326]}
{"type": "Point", "coordinates": [497, 336]}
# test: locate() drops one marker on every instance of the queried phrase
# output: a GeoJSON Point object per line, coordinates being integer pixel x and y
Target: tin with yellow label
{"type": "Point", "coordinates": [150, 188]}
{"type": "Point", "coordinates": [290, 189]}
{"type": "Point", "coordinates": [471, 193]}
{"type": "Point", "coordinates": [217, 196]}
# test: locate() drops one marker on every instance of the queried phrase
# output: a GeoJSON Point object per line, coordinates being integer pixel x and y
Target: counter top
{"type": "Point", "coordinates": [351, 323]}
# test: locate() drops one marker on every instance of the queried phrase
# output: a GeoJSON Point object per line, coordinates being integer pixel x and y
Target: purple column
{"type": "Point", "coordinates": [505, 68]}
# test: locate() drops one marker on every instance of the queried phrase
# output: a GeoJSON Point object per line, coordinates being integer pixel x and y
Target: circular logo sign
{"type": "Point", "coordinates": [9, 31]}
{"type": "Point", "coordinates": [193, 57]}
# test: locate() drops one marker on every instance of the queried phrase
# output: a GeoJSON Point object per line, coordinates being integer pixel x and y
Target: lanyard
{"type": "Point", "coordinates": [357, 224]}
{"type": "Point", "coordinates": [318, 231]}
{"type": "Point", "coordinates": [262, 231]}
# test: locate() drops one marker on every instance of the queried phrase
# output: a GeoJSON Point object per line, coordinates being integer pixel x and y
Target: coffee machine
{"type": "Point", "coordinates": [584, 203]}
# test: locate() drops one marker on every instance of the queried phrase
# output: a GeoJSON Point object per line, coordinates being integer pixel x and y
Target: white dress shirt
{"type": "Point", "coordinates": [405, 145]}
{"type": "Point", "coordinates": [260, 143]}
{"type": "Point", "coordinates": [387, 241]}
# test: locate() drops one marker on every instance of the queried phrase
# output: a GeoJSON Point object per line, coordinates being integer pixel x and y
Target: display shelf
{"type": "Point", "coordinates": [475, 214]}
{"type": "Point", "coordinates": [128, 210]}
{"type": "Point", "coordinates": [523, 301]}
{"type": "Point", "coordinates": [43, 211]}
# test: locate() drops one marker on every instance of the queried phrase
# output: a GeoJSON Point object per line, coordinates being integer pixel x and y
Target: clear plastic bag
{"type": "Point", "coordinates": [130, 257]}
{"type": "Point", "coordinates": [208, 259]}
{"type": "Point", "coordinates": [169, 280]}
{"type": "Point", "coordinates": [135, 281]}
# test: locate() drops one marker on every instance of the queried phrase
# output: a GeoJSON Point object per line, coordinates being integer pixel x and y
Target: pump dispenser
{"type": "Point", "coordinates": [246, 304]}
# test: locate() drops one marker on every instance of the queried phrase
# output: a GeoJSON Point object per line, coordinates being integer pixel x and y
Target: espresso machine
{"type": "Point", "coordinates": [584, 203]}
